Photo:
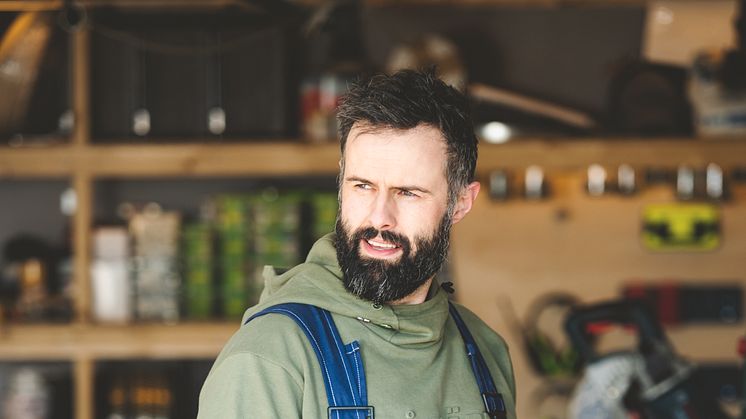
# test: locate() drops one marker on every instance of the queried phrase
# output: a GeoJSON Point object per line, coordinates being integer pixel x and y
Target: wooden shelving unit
{"type": "Point", "coordinates": [83, 162]}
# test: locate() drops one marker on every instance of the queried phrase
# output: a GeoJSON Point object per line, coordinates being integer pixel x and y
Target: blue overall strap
{"type": "Point", "coordinates": [493, 401]}
{"type": "Point", "coordinates": [341, 365]}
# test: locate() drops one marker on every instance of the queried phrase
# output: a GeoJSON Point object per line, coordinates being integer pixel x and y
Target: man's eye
{"type": "Point", "coordinates": [363, 186]}
{"type": "Point", "coordinates": [407, 193]}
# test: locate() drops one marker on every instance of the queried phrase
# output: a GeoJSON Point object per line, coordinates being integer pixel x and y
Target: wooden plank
{"type": "Point", "coordinates": [80, 341]}
{"type": "Point", "coordinates": [44, 5]}
{"type": "Point", "coordinates": [84, 393]}
{"type": "Point", "coordinates": [579, 153]}
{"type": "Point", "coordinates": [50, 5]}
{"type": "Point", "coordinates": [82, 220]}
{"type": "Point", "coordinates": [30, 5]}
{"type": "Point", "coordinates": [266, 159]}
{"type": "Point", "coordinates": [490, 3]}
{"type": "Point", "coordinates": [80, 47]}
{"type": "Point", "coordinates": [46, 162]}
{"type": "Point", "coordinates": [284, 158]}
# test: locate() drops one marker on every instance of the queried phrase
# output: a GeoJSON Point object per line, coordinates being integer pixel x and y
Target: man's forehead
{"type": "Point", "coordinates": [399, 156]}
{"type": "Point", "coordinates": [366, 127]}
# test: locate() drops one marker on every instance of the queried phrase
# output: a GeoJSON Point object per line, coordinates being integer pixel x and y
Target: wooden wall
{"type": "Point", "coordinates": [520, 250]}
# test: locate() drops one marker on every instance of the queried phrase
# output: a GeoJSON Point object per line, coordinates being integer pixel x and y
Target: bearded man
{"type": "Point", "coordinates": [408, 157]}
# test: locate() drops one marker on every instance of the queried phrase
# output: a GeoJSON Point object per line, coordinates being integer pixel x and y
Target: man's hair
{"type": "Point", "coordinates": [407, 99]}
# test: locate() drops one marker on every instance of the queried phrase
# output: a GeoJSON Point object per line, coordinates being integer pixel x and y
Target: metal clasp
{"type": "Point", "coordinates": [369, 411]}
{"type": "Point", "coordinates": [499, 411]}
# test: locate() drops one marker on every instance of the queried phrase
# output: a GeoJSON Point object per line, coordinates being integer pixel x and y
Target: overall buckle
{"type": "Point", "coordinates": [368, 410]}
{"type": "Point", "coordinates": [499, 411]}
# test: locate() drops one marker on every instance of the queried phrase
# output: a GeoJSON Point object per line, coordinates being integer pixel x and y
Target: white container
{"type": "Point", "coordinates": [110, 276]}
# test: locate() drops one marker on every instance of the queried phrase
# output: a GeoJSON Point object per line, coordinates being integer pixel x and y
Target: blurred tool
{"type": "Point", "coordinates": [535, 184]}
{"type": "Point", "coordinates": [680, 303]}
{"type": "Point", "coordinates": [549, 353]}
{"type": "Point", "coordinates": [596, 180]}
{"type": "Point", "coordinates": [650, 380]}
{"type": "Point", "coordinates": [499, 185]}
{"type": "Point", "coordinates": [714, 182]}
{"type": "Point", "coordinates": [681, 227]}
{"type": "Point", "coordinates": [685, 183]}
{"type": "Point", "coordinates": [626, 179]}
{"type": "Point", "coordinates": [531, 105]}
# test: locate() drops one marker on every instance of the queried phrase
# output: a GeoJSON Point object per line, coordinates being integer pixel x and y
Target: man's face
{"type": "Point", "coordinates": [393, 226]}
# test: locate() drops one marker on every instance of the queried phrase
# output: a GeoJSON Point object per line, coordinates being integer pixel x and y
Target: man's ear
{"type": "Point", "coordinates": [465, 201]}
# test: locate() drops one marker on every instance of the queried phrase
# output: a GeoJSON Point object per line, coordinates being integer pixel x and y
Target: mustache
{"type": "Point", "coordinates": [390, 236]}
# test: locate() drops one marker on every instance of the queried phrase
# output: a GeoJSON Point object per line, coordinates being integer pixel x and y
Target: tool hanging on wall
{"type": "Point", "coordinates": [547, 353]}
{"type": "Point", "coordinates": [681, 227]}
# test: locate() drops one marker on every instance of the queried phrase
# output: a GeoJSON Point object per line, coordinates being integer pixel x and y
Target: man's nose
{"type": "Point", "coordinates": [383, 212]}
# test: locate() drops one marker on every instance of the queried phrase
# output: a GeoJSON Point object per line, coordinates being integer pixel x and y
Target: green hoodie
{"type": "Point", "coordinates": [414, 358]}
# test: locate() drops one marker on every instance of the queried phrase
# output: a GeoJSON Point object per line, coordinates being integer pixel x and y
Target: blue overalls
{"type": "Point", "coordinates": [342, 365]}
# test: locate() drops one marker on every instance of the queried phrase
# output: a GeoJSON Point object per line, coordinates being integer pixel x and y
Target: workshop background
{"type": "Point", "coordinates": [155, 154]}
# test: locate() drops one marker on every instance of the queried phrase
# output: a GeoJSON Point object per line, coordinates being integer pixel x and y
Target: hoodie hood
{"type": "Point", "coordinates": [318, 281]}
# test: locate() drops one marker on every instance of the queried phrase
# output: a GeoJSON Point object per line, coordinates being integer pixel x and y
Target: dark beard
{"type": "Point", "coordinates": [382, 281]}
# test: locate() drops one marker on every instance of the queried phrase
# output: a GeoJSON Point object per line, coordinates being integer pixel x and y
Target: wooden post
{"type": "Point", "coordinates": [83, 186]}
{"type": "Point", "coordinates": [80, 78]}
{"type": "Point", "coordinates": [84, 388]}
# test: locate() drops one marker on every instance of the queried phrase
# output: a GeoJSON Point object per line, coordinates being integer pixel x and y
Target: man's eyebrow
{"type": "Point", "coordinates": [356, 179]}
{"type": "Point", "coordinates": [401, 188]}
{"type": "Point", "coordinates": [414, 188]}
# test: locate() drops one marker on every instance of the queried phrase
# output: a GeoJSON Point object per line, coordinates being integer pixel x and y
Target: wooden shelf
{"type": "Point", "coordinates": [492, 3]}
{"type": "Point", "coordinates": [71, 342]}
{"type": "Point", "coordinates": [257, 159]}
{"type": "Point", "coordinates": [53, 161]}
{"type": "Point", "coordinates": [285, 158]}
{"type": "Point", "coordinates": [574, 153]}
{"type": "Point", "coordinates": [50, 5]}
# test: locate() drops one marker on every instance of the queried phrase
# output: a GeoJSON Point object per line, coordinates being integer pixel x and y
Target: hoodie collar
{"type": "Point", "coordinates": [319, 282]}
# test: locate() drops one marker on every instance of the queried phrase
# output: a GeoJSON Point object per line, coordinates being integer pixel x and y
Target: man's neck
{"type": "Point", "coordinates": [419, 295]}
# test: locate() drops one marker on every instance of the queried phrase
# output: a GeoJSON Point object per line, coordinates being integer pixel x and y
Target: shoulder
{"type": "Point", "coordinates": [266, 335]}
{"type": "Point", "coordinates": [272, 339]}
{"type": "Point", "coordinates": [247, 379]}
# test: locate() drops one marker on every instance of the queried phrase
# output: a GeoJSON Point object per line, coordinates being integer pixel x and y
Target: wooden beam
{"type": "Point", "coordinates": [80, 48]}
{"type": "Point", "coordinates": [149, 341]}
{"type": "Point", "coordinates": [285, 158]}
{"type": "Point", "coordinates": [84, 387]}
{"type": "Point", "coordinates": [82, 221]}
{"type": "Point", "coordinates": [263, 159]}
{"type": "Point", "coordinates": [30, 5]}
{"type": "Point", "coordinates": [51, 5]}
{"type": "Point", "coordinates": [46, 162]}
{"type": "Point", "coordinates": [562, 154]}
